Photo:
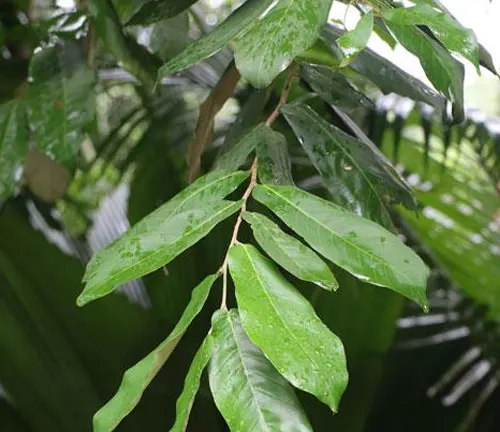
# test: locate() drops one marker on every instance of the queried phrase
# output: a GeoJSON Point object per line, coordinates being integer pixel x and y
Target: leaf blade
{"type": "Point", "coordinates": [290, 253]}
{"type": "Point", "coordinates": [137, 378]}
{"type": "Point", "coordinates": [275, 166]}
{"type": "Point", "coordinates": [361, 247]}
{"type": "Point", "coordinates": [253, 396]}
{"type": "Point", "coordinates": [296, 341]}
{"type": "Point", "coordinates": [142, 249]}
{"type": "Point", "coordinates": [356, 40]}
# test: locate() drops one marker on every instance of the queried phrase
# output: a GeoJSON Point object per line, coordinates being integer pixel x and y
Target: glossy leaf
{"type": "Point", "coordinates": [137, 378]}
{"type": "Point", "coordinates": [290, 253]}
{"type": "Point", "coordinates": [285, 32]}
{"type": "Point", "coordinates": [192, 385]}
{"type": "Point", "coordinates": [241, 20]}
{"type": "Point", "coordinates": [334, 88]}
{"type": "Point", "coordinates": [162, 235]}
{"type": "Point", "coordinates": [61, 101]}
{"type": "Point", "coordinates": [275, 166]}
{"type": "Point", "coordinates": [283, 324]}
{"type": "Point", "coordinates": [155, 10]}
{"type": "Point", "coordinates": [363, 248]}
{"type": "Point", "coordinates": [14, 143]}
{"type": "Point", "coordinates": [134, 57]}
{"type": "Point", "coordinates": [355, 41]}
{"type": "Point", "coordinates": [385, 74]}
{"type": "Point", "coordinates": [450, 32]}
{"type": "Point", "coordinates": [247, 389]}
{"type": "Point", "coordinates": [357, 175]}
{"type": "Point", "coordinates": [443, 70]}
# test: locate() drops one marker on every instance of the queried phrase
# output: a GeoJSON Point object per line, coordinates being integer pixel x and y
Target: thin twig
{"type": "Point", "coordinates": [253, 182]}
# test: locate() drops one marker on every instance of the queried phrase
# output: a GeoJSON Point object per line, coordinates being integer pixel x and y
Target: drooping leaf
{"type": "Point", "coordinates": [384, 74]}
{"type": "Point", "coordinates": [363, 248]}
{"type": "Point", "coordinates": [357, 175]}
{"type": "Point", "coordinates": [162, 235]}
{"type": "Point", "coordinates": [134, 57]}
{"type": "Point", "coordinates": [355, 41]}
{"type": "Point", "coordinates": [334, 88]}
{"type": "Point", "coordinates": [450, 32]}
{"type": "Point", "coordinates": [275, 166]}
{"type": "Point", "coordinates": [192, 385]}
{"type": "Point", "coordinates": [247, 389]}
{"type": "Point", "coordinates": [443, 70]}
{"type": "Point", "coordinates": [170, 36]}
{"type": "Point", "coordinates": [283, 324]}
{"type": "Point", "coordinates": [137, 378]}
{"type": "Point", "coordinates": [14, 143]}
{"type": "Point", "coordinates": [153, 11]}
{"type": "Point", "coordinates": [286, 31]}
{"type": "Point", "coordinates": [60, 101]}
{"type": "Point", "coordinates": [238, 22]}
{"type": "Point", "coordinates": [290, 253]}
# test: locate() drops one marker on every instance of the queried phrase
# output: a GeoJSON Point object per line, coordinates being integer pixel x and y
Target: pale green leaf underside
{"type": "Point", "coordinates": [192, 385]}
{"type": "Point", "coordinates": [449, 31]}
{"type": "Point", "coordinates": [238, 22]}
{"type": "Point", "coordinates": [355, 41]}
{"type": "Point", "coordinates": [137, 378]}
{"type": "Point", "coordinates": [363, 248]}
{"type": "Point", "coordinates": [14, 140]}
{"type": "Point", "coordinates": [290, 253]}
{"type": "Point", "coordinates": [285, 32]}
{"type": "Point", "coordinates": [248, 391]}
{"type": "Point", "coordinates": [163, 234]}
{"type": "Point", "coordinates": [283, 324]}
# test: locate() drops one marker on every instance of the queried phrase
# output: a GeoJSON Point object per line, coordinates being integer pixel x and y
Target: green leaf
{"type": "Point", "coordinates": [162, 235]}
{"type": "Point", "coordinates": [358, 176]}
{"type": "Point", "coordinates": [156, 10]}
{"type": "Point", "coordinates": [449, 31]}
{"type": "Point", "coordinates": [290, 253]}
{"type": "Point", "coordinates": [355, 41]}
{"type": "Point", "coordinates": [170, 36]}
{"type": "Point", "coordinates": [334, 88]}
{"type": "Point", "coordinates": [285, 32]}
{"type": "Point", "coordinates": [443, 70]}
{"type": "Point", "coordinates": [192, 385]}
{"type": "Point", "coordinates": [275, 166]}
{"type": "Point", "coordinates": [319, 54]}
{"type": "Point", "coordinates": [134, 57]}
{"type": "Point", "coordinates": [247, 389]}
{"type": "Point", "coordinates": [283, 324]}
{"type": "Point", "coordinates": [14, 143]}
{"type": "Point", "coordinates": [363, 248]}
{"type": "Point", "coordinates": [241, 20]}
{"type": "Point", "coordinates": [384, 74]}
{"type": "Point", "coordinates": [137, 378]}
{"type": "Point", "coordinates": [126, 9]}
{"type": "Point", "coordinates": [61, 101]}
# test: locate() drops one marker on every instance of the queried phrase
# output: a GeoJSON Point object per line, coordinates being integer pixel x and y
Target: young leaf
{"type": "Point", "coordinates": [334, 88]}
{"type": "Point", "coordinates": [285, 327]}
{"type": "Point", "coordinates": [363, 248]}
{"type": "Point", "coordinates": [153, 11]}
{"type": "Point", "coordinates": [61, 101]}
{"type": "Point", "coordinates": [355, 41]}
{"type": "Point", "coordinates": [386, 75]}
{"type": "Point", "coordinates": [443, 70]}
{"type": "Point", "coordinates": [137, 378]}
{"type": "Point", "coordinates": [357, 175]}
{"type": "Point", "coordinates": [290, 253]}
{"type": "Point", "coordinates": [191, 385]}
{"type": "Point", "coordinates": [286, 31]}
{"type": "Point", "coordinates": [275, 166]}
{"type": "Point", "coordinates": [247, 389]}
{"type": "Point", "coordinates": [239, 21]}
{"type": "Point", "coordinates": [449, 31]}
{"type": "Point", "coordinates": [162, 235]}
{"type": "Point", "coordinates": [14, 140]}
